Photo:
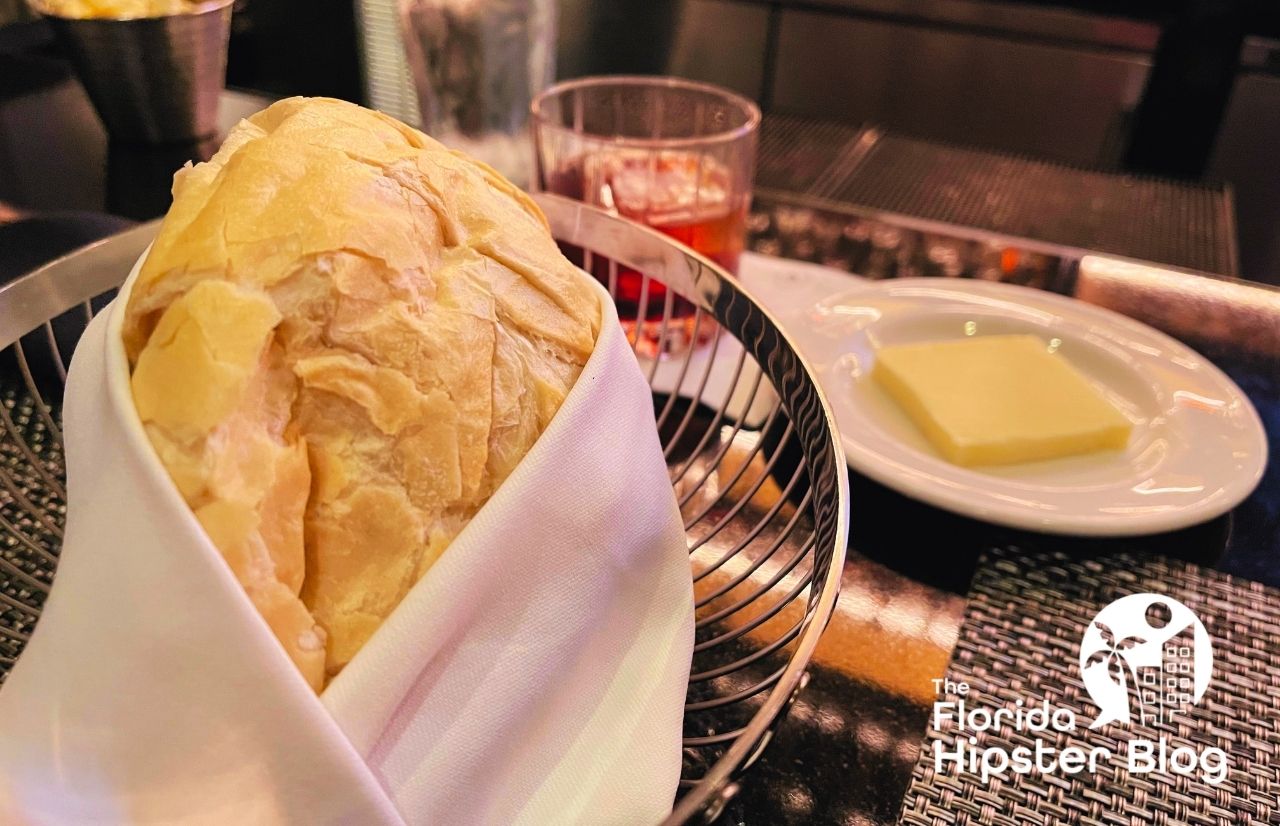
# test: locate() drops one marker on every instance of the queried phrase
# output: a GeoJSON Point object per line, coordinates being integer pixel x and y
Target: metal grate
{"type": "Point", "coordinates": [794, 153]}
{"type": "Point", "coordinates": [765, 508]}
{"type": "Point", "coordinates": [970, 193]}
{"type": "Point", "coordinates": [1021, 639]}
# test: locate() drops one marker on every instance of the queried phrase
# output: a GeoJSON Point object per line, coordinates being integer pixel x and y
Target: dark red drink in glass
{"type": "Point", "coordinates": [673, 155]}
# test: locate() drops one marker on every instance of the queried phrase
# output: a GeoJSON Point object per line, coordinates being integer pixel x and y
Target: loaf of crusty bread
{"type": "Point", "coordinates": [343, 340]}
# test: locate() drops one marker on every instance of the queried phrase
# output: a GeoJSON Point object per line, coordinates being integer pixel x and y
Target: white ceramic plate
{"type": "Point", "coordinates": [1197, 449]}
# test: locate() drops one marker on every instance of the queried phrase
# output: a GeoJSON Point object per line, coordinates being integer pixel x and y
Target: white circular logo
{"type": "Point", "coordinates": [1143, 658]}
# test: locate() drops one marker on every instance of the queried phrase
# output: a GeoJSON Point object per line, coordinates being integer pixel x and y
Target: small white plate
{"type": "Point", "coordinates": [1197, 449]}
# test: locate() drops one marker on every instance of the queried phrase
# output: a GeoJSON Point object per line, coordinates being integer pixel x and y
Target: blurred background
{"type": "Point", "coordinates": [1185, 89]}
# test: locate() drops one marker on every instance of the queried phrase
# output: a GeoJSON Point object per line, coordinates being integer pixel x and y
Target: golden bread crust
{"type": "Point", "coordinates": [343, 340]}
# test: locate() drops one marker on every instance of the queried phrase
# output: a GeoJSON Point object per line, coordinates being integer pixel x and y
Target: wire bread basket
{"type": "Point", "coordinates": [750, 444]}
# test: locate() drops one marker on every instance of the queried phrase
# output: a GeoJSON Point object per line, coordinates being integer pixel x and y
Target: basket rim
{"type": "Point", "coordinates": [81, 275]}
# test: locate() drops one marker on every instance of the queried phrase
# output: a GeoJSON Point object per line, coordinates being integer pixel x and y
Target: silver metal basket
{"type": "Point", "coordinates": [749, 440]}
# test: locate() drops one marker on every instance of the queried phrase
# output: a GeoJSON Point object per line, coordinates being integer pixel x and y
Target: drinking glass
{"type": "Point", "coordinates": [476, 67]}
{"type": "Point", "coordinates": [673, 154]}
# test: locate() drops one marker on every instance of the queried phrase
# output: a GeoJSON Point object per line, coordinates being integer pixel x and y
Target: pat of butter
{"type": "Point", "coordinates": [999, 399]}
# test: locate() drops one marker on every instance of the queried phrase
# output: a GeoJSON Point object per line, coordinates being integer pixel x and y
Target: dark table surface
{"type": "Point", "coordinates": [846, 754]}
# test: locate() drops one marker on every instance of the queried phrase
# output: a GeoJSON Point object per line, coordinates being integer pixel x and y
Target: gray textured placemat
{"type": "Point", "coordinates": [1021, 639]}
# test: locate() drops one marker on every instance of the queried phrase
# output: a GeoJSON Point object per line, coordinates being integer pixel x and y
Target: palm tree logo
{"type": "Point", "coordinates": [1119, 670]}
{"type": "Point", "coordinates": [1139, 649]}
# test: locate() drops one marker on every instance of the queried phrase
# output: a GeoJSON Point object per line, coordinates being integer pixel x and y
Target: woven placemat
{"type": "Point", "coordinates": [1021, 639]}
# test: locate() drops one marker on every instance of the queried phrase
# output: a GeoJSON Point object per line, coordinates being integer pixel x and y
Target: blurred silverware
{"type": "Point", "coordinates": [152, 79]}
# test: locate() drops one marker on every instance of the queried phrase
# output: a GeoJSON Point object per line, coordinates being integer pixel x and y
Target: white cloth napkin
{"type": "Point", "coordinates": [536, 674]}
